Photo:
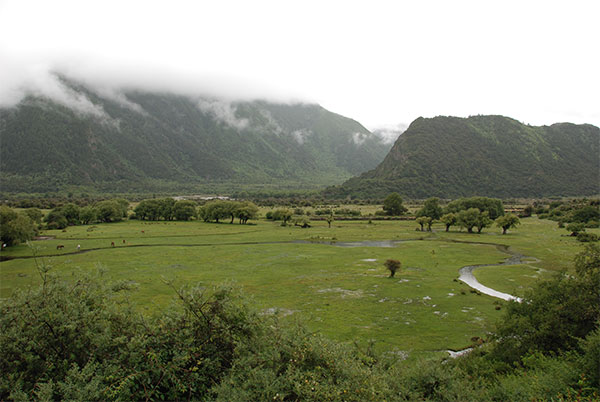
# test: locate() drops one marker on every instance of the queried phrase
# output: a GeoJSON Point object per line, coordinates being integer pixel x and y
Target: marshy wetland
{"type": "Point", "coordinates": [331, 279]}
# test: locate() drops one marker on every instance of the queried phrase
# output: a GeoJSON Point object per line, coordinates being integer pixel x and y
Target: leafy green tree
{"type": "Point", "coordinates": [109, 211]}
{"type": "Point", "coordinates": [468, 218]}
{"type": "Point", "coordinates": [329, 220]}
{"type": "Point", "coordinates": [424, 220]}
{"type": "Point", "coordinates": [246, 211]}
{"type": "Point", "coordinates": [165, 208]}
{"type": "Point", "coordinates": [123, 206]}
{"type": "Point", "coordinates": [302, 221]}
{"type": "Point", "coordinates": [55, 219]}
{"type": "Point", "coordinates": [215, 211]}
{"type": "Point", "coordinates": [184, 210]}
{"type": "Point", "coordinates": [431, 208]}
{"type": "Point", "coordinates": [449, 220]}
{"type": "Point", "coordinates": [88, 215]}
{"type": "Point", "coordinates": [392, 205]}
{"type": "Point", "coordinates": [15, 227]}
{"type": "Point", "coordinates": [35, 215]}
{"type": "Point", "coordinates": [393, 266]}
{"type": "Point", "coordinates": [507, 221]}
{"type": "Point", "coordinates": [71, 213]}
{"type": "Point", "coordinates": [483, 221]}
{"type": "Point", "coordinates": [148, 209]}
{"type": "Point", "coordinates": [282, 214]}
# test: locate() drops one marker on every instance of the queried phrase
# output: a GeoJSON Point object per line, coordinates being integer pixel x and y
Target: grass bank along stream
{"type": "Point", "coordinates": [344, 292]}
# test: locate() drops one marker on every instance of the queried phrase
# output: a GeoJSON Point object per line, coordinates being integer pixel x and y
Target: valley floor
{"type": "Point", "coordinates": [322, 276]}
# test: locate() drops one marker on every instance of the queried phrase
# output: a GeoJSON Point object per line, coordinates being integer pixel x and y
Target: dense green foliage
{"type": "Point", "coordinates": [507, 221]}
{"type": "Point", "coordinates": [492, 206]}
{"type": "Point", "coordinates": [16, 227]}
{"type": "Point", "coordinates": [171, 143]}
{"type": "Point", "coordinates": [431, 208]}
{"type": "Point", "coordinates": [484, 155]}
{"type": "Point", "coordinates": [72, 214]}
{"type": "Point", "coordinates": [584, 211]}
{"type": "Point", "coordinates": [217, 210]}
{"type": "Point", "coordinates": [392, 205]}
{"type": "Point", "coordinates": [556, 315]}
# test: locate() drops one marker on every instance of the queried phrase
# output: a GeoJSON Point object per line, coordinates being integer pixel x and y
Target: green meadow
{"type": "Point", "coordinates": [341, 290]}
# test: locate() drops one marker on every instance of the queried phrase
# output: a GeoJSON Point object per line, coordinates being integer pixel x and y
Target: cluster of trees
{"type": "Point", "coordinates": [72, 214]}
{"type": "Point", "coordinates": [83, 340]}
{"type": "Point", "coordinates": [18, 226]}
{"type": "Point", "coordinates": [215, 211]}
{"type": "Point", "coordinates": [282, 214]}
{"type": "Point", "coordinates": [468, 213]}
{"type": "Point", "coordinates": [584, 211]}
{"type": "Point", "coordinates": [166, 209]}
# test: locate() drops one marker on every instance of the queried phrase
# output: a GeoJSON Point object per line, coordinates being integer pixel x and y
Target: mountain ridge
{"type": "Point", "coordinates": [492, 155]}
{"type": "Point", "coordinates": [143, 140]}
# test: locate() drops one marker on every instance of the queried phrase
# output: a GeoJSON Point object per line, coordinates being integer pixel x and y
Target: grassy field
{"type": "Point", "coordinates": [343, 292]}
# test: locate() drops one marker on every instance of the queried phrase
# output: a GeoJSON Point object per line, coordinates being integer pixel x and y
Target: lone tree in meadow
{"type": "Point", "coordinates": [392, 205]}
{"type": "Point", "coordinates": [507, 221]}
{"type": "Point", "coordinates": [392, 266]}
{"type": "Point", "coordinates": [330, 219]}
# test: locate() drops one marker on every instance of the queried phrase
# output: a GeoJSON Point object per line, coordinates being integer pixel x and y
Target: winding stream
{"type": "Point", "coordinates": [466, 273]}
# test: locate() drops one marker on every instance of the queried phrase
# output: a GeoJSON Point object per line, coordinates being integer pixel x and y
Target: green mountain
{"type": "Point", "coordinates": [140, 141]}
{"type": "Point", "coordinates": [484, 155]}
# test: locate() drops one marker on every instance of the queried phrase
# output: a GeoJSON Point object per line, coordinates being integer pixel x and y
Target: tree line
{"type": "Point", "coordinates": [469, 213]}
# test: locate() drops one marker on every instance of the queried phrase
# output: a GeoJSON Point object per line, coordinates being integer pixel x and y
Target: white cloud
{"type": "Point", "coordinates": [272, 124]}
{"type": "Point", "coordinates": [120, 98]}
{"type": "Point", "coordinates": [359, 138]}
{"type": "Point", "coordinates": [223, 111]}
{"type": "Point", "coordinates": [389, 133]}
{"type": "Point", "coordinates": [301, 135]}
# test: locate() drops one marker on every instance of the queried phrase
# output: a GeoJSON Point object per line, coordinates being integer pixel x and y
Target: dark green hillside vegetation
{"type": "Point", "coordinates": [495, 156]}
{"type": "Point", "coordinates": [162, 142]}
{"type": "Point", "coordinates": [82, 340]}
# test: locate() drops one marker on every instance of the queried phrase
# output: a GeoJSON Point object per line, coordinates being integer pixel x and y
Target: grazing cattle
{"type": "Point", "coordinates": [78, 247]}
{"type": "Point", "coordinates": [60, 246]}
{"type": "Point", "coordinates": [112, 243]}
{"type": "Point", "coordinates": [123, 241]}
{"type": "Point", "coordinates": [143, 231]}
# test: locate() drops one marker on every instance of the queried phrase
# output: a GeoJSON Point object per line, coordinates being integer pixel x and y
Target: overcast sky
{"type": "Point", "coordinates": [379, 62]}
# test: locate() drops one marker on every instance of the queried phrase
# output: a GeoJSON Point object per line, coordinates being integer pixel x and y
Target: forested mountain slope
{"type": "Point", "coordinates": [137, 141]}
{"type": "Point", "coordinates": [484, 155]}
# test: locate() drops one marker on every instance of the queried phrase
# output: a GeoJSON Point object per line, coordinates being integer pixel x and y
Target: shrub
{"type": "Point", "coordinates": [587, 237]}
{"type": "Point", "coordinates": [393, 266]}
